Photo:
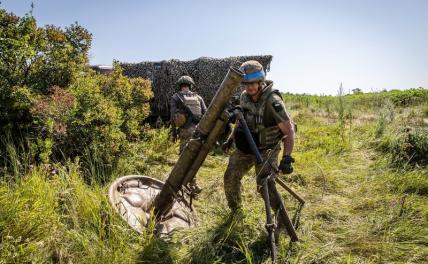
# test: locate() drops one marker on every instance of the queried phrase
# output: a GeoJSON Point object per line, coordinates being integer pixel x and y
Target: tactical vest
{"type": "Point", "coordinates": [255, 114]}
{"type": "Point", "coordinates": [193, 102]}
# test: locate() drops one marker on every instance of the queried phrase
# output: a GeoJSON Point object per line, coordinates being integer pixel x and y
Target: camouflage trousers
{"type": "Point", "coordinates": [239, 164]}
{"type": "Point", "coordinates": [185, 134]}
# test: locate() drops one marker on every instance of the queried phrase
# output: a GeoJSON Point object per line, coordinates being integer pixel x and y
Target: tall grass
{"type": "Point", "coordinates": [359, 208]}
{"type": "Point", "coordinates": [386, 116]}
{"type": "Point", "coordinates": [16, 157]}
{"type": "Point", "coordinates": [47, 218]}
{"type": "Point", "coordinates": [94, 167]}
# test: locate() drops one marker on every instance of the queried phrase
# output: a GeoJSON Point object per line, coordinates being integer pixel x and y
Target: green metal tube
{"type": "Point", "coordinates": [206, 147]}
{"type": "Point", "coordinates": [220, 100]}
{"type": "Point", "coordinates": [164, 200]}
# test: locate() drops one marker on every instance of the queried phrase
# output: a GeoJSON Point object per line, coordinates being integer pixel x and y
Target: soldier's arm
{"type": "Point", "coordinates": [284, 123]}
{"type": "Point", "coordinates": [287, 128]}
{"type": "Point", "coordinates": [203, 106]}
{"type": "Point", "coordinates": [172, 106]}
{"type": "Point", "coordinates": [230, 139]}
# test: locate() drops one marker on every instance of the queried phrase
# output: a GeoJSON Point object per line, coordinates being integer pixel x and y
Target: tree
{"type": "Point", "coordinates": [357, 91]}
{"type": "Point", "coordinates": [32, 60]}
{"type": "Point", "coordinates": [51, 98]}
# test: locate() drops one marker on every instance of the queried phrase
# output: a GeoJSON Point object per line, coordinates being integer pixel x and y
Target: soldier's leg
{"type": "Point", "coordinates": [185, 135]}
{"type": "Point", "coordinates": [239, 164]}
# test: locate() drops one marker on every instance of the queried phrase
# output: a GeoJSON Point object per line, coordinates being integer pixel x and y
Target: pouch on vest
{"type": "Point", "coordinates": [269, 136]}
{"type": "Point", "coordinates": [192, 101]}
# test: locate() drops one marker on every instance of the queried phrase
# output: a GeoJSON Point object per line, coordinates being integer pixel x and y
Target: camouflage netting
{"type": "Point", "coordinates": [208, 73]}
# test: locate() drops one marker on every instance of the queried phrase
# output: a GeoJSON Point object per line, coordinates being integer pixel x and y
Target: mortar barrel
{"type": "Point", "coordinates": [164, 200]}
{"type": "Point", "coordinates": [206, 147]}
{"type": "Point", "coordinates": [220, 100]}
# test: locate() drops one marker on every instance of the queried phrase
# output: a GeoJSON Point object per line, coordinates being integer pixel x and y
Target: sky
{"type": "Point", "coordinates": [316, 44]}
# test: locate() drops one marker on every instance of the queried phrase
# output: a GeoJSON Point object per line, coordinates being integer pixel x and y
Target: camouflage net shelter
{"type": "Point", "coordinates": [208, 73]}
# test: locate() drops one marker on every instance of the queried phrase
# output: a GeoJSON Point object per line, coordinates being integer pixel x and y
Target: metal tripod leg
{"type": "Point", "coordinates": [270, 225]}
{"type": "Point", "coordinates": [283, 212]}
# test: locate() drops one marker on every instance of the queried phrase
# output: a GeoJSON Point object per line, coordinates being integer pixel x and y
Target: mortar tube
{"type": "Point", "coordinates": [206, 147]}
{"type": "Point", "coordinates": [165, 199]}
{"type": "Point", "coordinates": [220, 100]}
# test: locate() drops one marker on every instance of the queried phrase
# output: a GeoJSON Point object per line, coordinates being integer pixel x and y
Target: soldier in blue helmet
{"type": "Point", "coordinates": [269, 123]}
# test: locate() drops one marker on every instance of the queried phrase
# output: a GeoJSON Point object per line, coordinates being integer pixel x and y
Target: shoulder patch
{"type": "Point", "coordinates": [277, 106]}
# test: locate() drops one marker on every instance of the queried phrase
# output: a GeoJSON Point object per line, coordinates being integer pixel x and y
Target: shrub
{"type": "Point", "coordinates": [386, 116]}
{"type": "Point", "coordinates": [131, 96]}
{"type": "Point", "coordinates": [408, 147]}
{"type": "Point", "coordinates": [54, 103]}
{"type": "Point", "coordinates": [34, 59]}
{"type": "Point", "coordinates": [95, 117]}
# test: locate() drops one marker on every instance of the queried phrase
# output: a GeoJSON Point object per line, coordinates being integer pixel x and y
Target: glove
{"type": "Point", "coordinates": [285, 164]}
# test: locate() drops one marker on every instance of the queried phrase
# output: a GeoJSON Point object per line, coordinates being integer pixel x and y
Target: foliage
{"type": "Point", "coordinates": [358, 208]}
{"type": "Point", "coordinates": [408, 147]}
{"type": "Point", "coordinates": [34, 59]}
{"type": "Point", "coordinates": [54, 103]}
{"type": "Point", "coordinates": [96, 117]}
{"type": "Point", "coordinates": [362, 101]}
{"type": "Point", "coordinates": [54, 217]}
{"type": "Point", "coordinates": [131, 96]}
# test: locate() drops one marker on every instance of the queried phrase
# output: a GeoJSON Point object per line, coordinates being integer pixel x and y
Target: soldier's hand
{"type": "Point", "coordinates": [285, 164]}
{"type": "Point", "coordinates": [226, 145]}
{"type": "Point", "coordinates": [173, 134]}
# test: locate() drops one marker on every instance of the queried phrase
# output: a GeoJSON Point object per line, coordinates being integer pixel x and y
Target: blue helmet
{"type": "Point", "coordinates": [253, 71]}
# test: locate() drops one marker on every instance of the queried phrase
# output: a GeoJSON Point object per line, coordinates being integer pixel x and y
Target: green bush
{"type": "Point", "coordinates": [53, 102]}
{"type": "Point", "coordinates": [131, 96]}
{"type": "Point", "coordinates": [386, 116]}
{"type": "Point", "coordinates": [34, 59]}
{"type": "Point", "coordinates": [95, 117]}
{"type": "Point", "coordinates": [409, 147]}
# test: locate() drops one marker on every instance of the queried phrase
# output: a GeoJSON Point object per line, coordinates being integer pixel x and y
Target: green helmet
{"type": "Point", "coordinates": [185, 80]}
{"type": "Point", "coordinates": [253, 71]}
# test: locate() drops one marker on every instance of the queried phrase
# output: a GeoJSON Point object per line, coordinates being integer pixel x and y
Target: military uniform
{"type": "Point", "coordinates": [262, 118]}
{"type": "Point", "coordinates": [196, 104]}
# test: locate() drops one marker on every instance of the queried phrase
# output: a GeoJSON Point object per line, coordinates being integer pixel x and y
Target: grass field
{"type": "Point", "coordinates": [360, 165]}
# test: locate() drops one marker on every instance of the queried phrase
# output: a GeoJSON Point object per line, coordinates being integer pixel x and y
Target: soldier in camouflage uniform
{"type": "Point", "coordinates": [186, 122]}
{"type": "Point", "coordinates": [186, 109]}
{"type": "Point", "coordinates": [269, 123]}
